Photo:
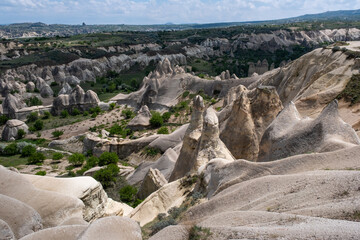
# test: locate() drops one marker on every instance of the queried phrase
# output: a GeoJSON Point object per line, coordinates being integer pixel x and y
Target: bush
{"type": "Point", "coordinates": [107, 176]}
{"type": "Point", "coordinates": [21, 133]}
{"type": "Point", "coordinates": [77, 159]}
{"type": "Point", "coordinates": [108, 158]}
{"type": "Point", "coordinates": [96, 110]}
{"type": "Point", "coordinates": [11, 150]}
{"type": "Point", "coordinates": [128, 195]}
{"type": "Point", "coordinates": [57, 156]}
{"type": "Point", "coordinates": [163, 130]}
{"type": "Point", "coordinates": [57, 133]}
{"type": "Point", "coordinates": [151, 151]}
{"type": "Point", "coordinates": [127, 113]}
{"type": "Point", "coordinates": [75, 112]}
{"type": "Point", "coordinates": [41, 173]}
{"type": "Point", "coordinates": [185, 94]}
{"type": "Point", "coordinates": [166, 116]}
{"type": "Point", "coordinates": [47, 115]}
{"type": "Point", "coordinates": [64, 114]}
{"type": "Point", "coordinates": [28, 151]}
{"type": "Point", "coordinates": [161, 225]}
{"type": "Point", "coordinates": [32, 117]}
{"type": "Point", "coordinates": [3, 119]}
{"type": "Point", "coordinates": [112, 106]}
{"type": "Point", "coordinates": [86, 113]}
{"type": "Point", "coordinates": [38, 125]}
{"type": "Point", "coordinates": [36, 158]}
{"type": "Point", "coordinates": [33, 101]}
{"type": "Point", "coordinates": [94, 115]}
{"type": "Point", "coordinates": [92, 162]}
{"type": "Point", "coordinates": [156, 120]}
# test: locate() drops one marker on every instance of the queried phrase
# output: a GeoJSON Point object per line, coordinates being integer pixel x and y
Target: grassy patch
{"type": "Point", "coordinates": [351, 92]}
{"type": "Point", "coordinates": [12, 161]}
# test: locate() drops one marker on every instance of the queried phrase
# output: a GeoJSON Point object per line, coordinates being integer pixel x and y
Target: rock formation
{"type": "Point", "coordinates": [30, 87]}
{"type": "Point", "coordinates": [201, 142]}
{"type": "Point", "coordinates": [46, 91]}
{"type": "Point", "coordinates": [141, 120]}
{"type": "Point", "coordinates": [289, 134]}
{"type": "Point", "coordinates": [210, 145]}
{"type": "Point", "coordinates": [11, 129]}
{"type": "Point", "coordinates": [259, 68]}
{"type": "Point", "coordinates": [11, 105]}
{"type": "Point", "coordinates": [191, 140]}
{"type": "Point", "coordinates": [251, 113]}
{"type": "Point", "coordinates": [77, 99]}
{"type": "Point", "coordinates": [152, 182]}
{"type": "Point", "coordinates": [66, 89]}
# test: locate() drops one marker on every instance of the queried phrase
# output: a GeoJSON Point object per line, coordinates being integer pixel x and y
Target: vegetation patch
{"type": "Point", "coordinates": [351, 92]}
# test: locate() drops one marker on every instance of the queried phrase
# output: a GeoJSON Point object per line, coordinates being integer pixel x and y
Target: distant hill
{"type": "Point", "coordinates": [21, 30]}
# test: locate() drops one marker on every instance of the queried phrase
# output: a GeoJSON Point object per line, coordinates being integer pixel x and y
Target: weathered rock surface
{"type": "Point", "coordinates": [62, 207]}
{"type": "Point", "coordinates": [170, 195]}
{"type": "Point", "coordinates": [192, 137]}
{"type": "Point", "coordinates": [12, 127]}
{"type": "Point", "coordinates": [87, 189]}
{"type": "Point", "coordinates": [77, 99]}
{"type": "Point", "coordinates": [289, 134]}
{"type": "Point", "coordinates": [141, 120]}
{"type": "Point", "coordinates": [30, 86]}
{"type": "Point", "coordinates": [69, 232]}
{"type": "Point", "coordinates": [11, 105]}
{"type": "Point", "coordinates": [66, 89]}
{"type": "Point", "coordinates": [5, 231]}
{"type": "Point", "coordinates": [260, 67]}
{"type": "Point", "coordinates": [165, 164]}
{"type": "Point", "coordinates": [152, 182]}
{"type": "Point", "coordinates": [46, 91]}
{"type": "Point", "coordinates": [21, 218]}
{"type": "Point", "coordinates": [249, 115]}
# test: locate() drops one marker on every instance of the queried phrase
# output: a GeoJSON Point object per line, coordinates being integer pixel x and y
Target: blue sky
{"type": "Point", "coordinates": [161, 11]}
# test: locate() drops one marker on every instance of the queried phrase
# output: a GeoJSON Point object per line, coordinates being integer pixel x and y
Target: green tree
{"type": "Point", "coordinates": [38, 125]}
{"type": "Point", "coordinates": [156, 120]}
{"type": "Point", "coordinates": [28, 151]}
{"type": "Point", "coordinates": [108, 158]}
{"type": "Point", "coordinates": [107, 175]}
{"type": "Point", "coordinates": [21, 133]}
{"type": "Point", "coordinates": [36, 158]}
{"type": "Point", "coordinates": [77, 159]}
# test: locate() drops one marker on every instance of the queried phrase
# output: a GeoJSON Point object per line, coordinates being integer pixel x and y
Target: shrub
{"type": "Point", "coordinates": [112, 106]}
{"type": "Point", "coordinates": [185, 94]}
{"type": "Point", "coordinates": [57, 156]}
{"type": "Point", "coordinates": [96, 110]}
{"type": "Point", "coordinates": [127, 113]}
{"type": "Point", "coordinates": [92, 162]}
{"type": "Point", "coordinates": [41, 173]}
{"type": "Point", "coordinates": [166, 116]}
{"type": "Point", "coordinates": [128, 195]}
{"type": "Point", "coordinates": [36, 158]}
{"type": "Point", "coordinates": [199, 233]}
{"type": "Point", "coordinates": [32, 129]}
{"type": "Point", "coordinates": [47, 115]}
{"type": "Point", "coordinates": [11, 149]}
{"type": "Point", "coordinates": [86, 113]}
{"type": "Point", "coordinates": [108, 158]}
{"type": "Point", "coordinates": [156, 120]}
{"type": "Point", "coordinates": [163, 130]}
{"type": "Point", "coordinates": [38, 125]}
{"type": "Point", "coordinates": [107, 176]}
{"type": "Point", "coordinates": [32, 117]}
{"type": "Point", "coordinates": [33, 101]}
{"type": "Point", "coordinates": [21, 133]}
{"type": "Point", "coordinates": [75, 112]}
{"type": "Point", "coordinates": [28, 151]}
{"type": "Point", "coordinates": [3, 119]}
{"type": "Point", "coordinates": [94, 115]}
{"type": "Point", "coordinates": [64, 114]}
{"type": "Point", "coordinates": [161, 225]}
{"type": "Point", "coordinates": [77, 159]}
{"type": "Point", "coordinates": [57, 133]}
{"type": "Point", "coordinates": [151, 151]}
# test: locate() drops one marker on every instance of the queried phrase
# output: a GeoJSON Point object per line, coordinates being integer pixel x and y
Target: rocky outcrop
{"type": "Point", "coordinates": [77, 99]}
{"type": "Point", "coordinates": [191, 140]}
{"type": "Point", "coordinates": [251, 113]}
{"type": "Point", "coordinates": [152, 182]}
{"type": "Point", "coordinates": [201, 142]}
{"type": "Point", "coordinates": [11, 105]}
{"type": "Point", "coordinates": [66, 89]}
{"type": "Point", "coordinates": [30, 87]}
{"type": "Point", "coordinates": [289, 134]}
{"type": "Point", "coordinates": [210, 145]}
{"type": "Point", "coordinates": [165, 164]}
{"type": "Point", "coordinates": [141, 120]}
{"type": "Point", "coordinates": [12, 127]}
{"type": "Point", "coordinates": [46, 91]}
{"type": "Point", "coordinates": [259, 68]}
